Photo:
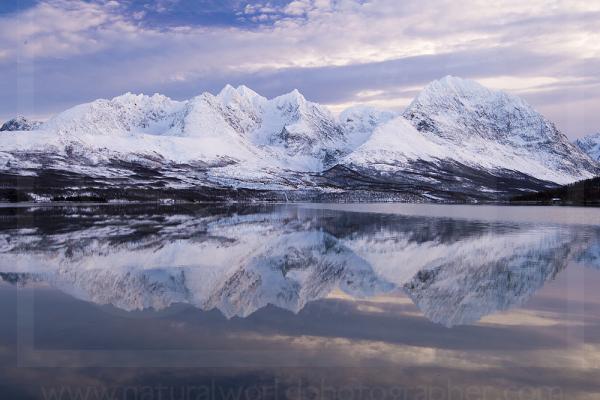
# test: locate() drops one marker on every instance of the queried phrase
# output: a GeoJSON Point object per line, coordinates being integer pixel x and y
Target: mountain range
{"type": "Point", "coordinates": [456, 141]}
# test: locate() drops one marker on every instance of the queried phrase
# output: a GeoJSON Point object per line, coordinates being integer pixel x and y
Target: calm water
{"type": "Point", "coordinates": [301, 302]}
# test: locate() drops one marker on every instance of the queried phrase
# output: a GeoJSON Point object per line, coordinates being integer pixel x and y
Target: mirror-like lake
{"type": "Point", "coordinates": [304, 301]}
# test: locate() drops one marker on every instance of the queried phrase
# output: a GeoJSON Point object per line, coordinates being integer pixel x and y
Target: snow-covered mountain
{"type": "Point", "coordinates": [20, 123]}
{"type": "Point", "coordinates": [590, 145]}
{"type": "Point", "coordinates": [498, 126]}
{"type": "Point", "coordinates": [457, 133]}
{"type": "Point", "coordinates": [457, 140]}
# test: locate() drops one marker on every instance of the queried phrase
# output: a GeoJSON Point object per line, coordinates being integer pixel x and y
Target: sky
{"type": "Point", "coordinates": [55, 54]}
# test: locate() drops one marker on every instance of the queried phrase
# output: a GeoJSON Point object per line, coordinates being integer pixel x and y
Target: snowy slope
{"type": "Point", "coordinates": [397, 147]}
{"type": "Point", "coordinates": [359, 122]}
{"type": "Point", "coordinates": [590, 145]}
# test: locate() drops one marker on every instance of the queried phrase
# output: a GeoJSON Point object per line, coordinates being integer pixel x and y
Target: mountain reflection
{"type": "Point", "coordinates": [240, 259]}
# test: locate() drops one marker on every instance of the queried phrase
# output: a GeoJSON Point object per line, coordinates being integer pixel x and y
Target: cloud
{"type": "Point", "coordinates": [298, 7]}
{"type": "Point", "coordinates": [335, 51]}
{"type": "Point", "coordinates": [61, 28]}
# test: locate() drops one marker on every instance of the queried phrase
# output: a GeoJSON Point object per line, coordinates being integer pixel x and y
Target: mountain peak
{"type": "Point", "coordinates": [293, 97]}
{"type": "Point", "coordinates": [454, 108]}
{"type": "Point", "coordinates": [590, 145]}
{"type": "Point", "coordinates": [452, 80]}
{"type": "Point", "coordinates": [453, 87]}
{"type": "Point", "coordinates": [229, 94]}
{"type": "Point", "coordinates": [20, 123]}
{"type": "Point", "coordinates": [246, 91]}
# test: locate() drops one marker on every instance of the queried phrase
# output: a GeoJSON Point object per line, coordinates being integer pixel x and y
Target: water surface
{"type": "Point", "coordinates": [300, 301]}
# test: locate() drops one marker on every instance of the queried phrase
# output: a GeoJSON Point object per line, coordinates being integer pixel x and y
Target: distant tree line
{"type": "Point", "coordinates": [586, 192]}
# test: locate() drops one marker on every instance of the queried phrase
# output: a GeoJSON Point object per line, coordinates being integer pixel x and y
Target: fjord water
{"type": "Point", "coordinates": [376, 301]}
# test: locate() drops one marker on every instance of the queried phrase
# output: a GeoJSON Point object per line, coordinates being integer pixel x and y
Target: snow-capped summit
{"type": "Point", "coordinates": [472, 116]}
{"type": "Point", "coordinates": [459, 109]}
{"type": "Point", "coordinates": [245, 91]}
{"type": "Point", "coordinates": [243, 95]}
{"type": "Point", "coordinates": [590, 145]}
{"type": "Point", "coordinates": [290, 100]}
{"type": "Point", "coordinates": [20, 123]}
{"type": "Point", "coordinates": [298, 128]}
